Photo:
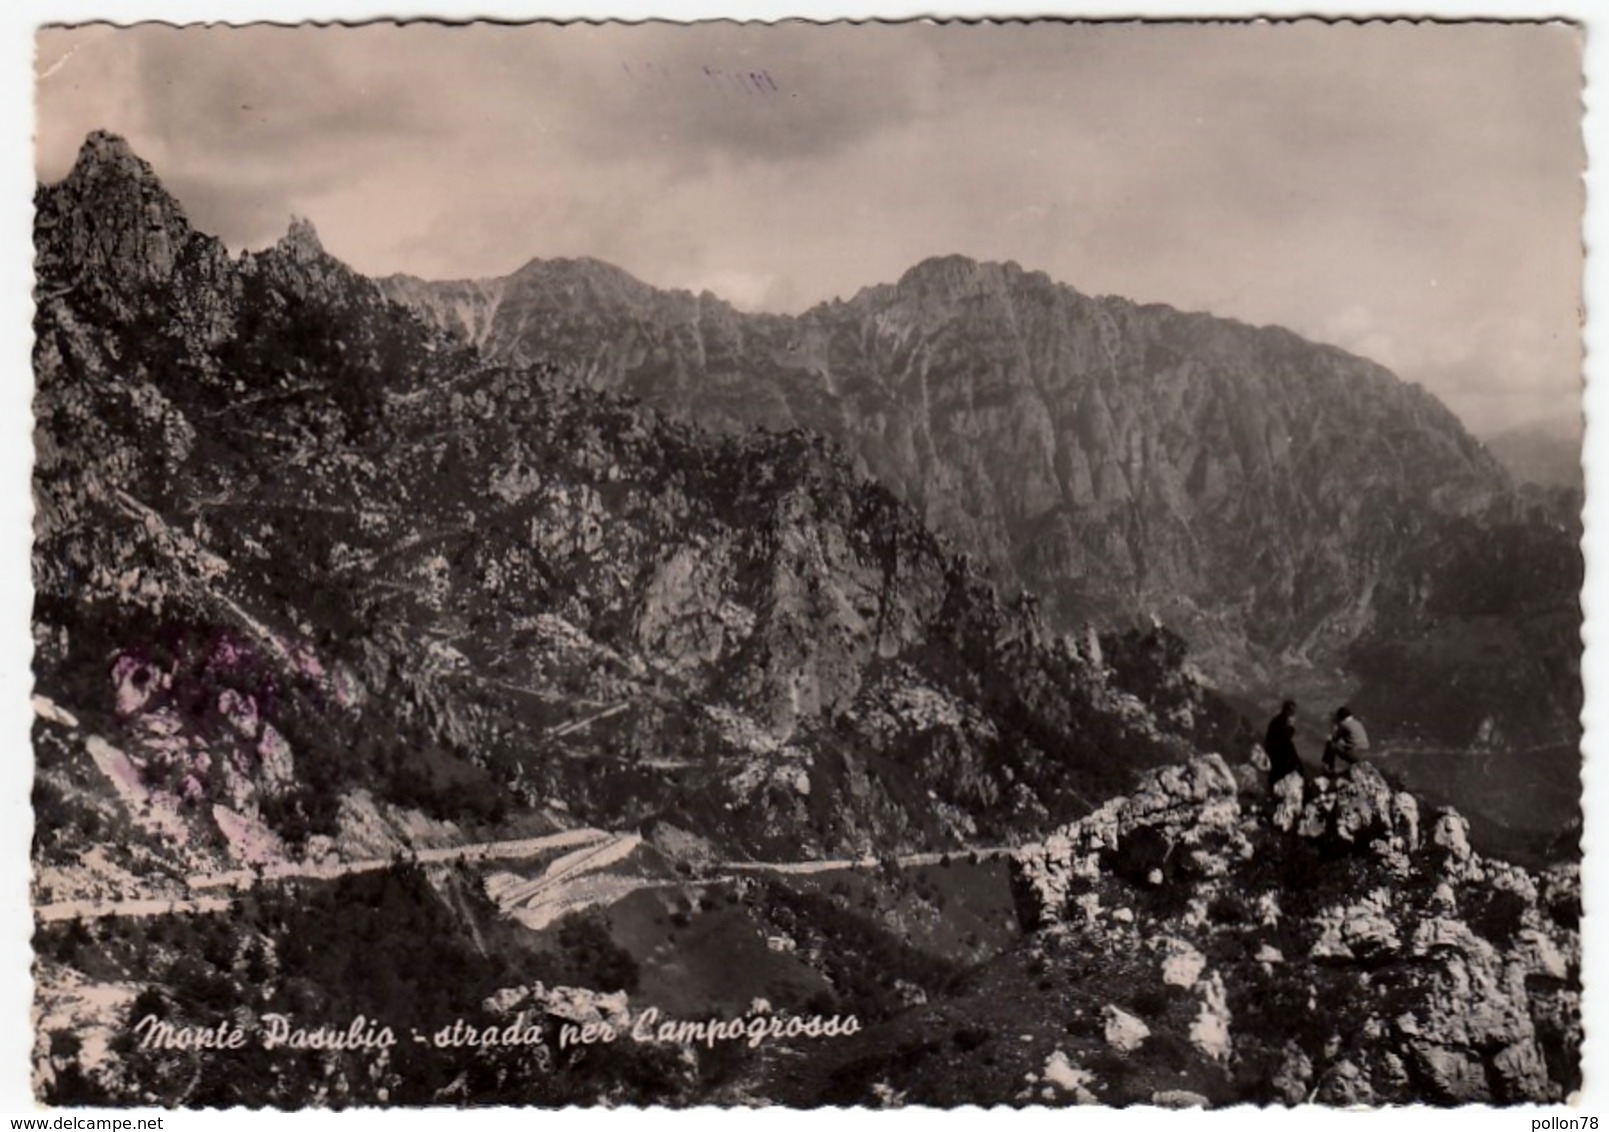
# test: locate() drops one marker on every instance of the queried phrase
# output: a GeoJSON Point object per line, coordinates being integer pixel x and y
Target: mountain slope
{"type": "Point", "coordinates": [293, 544]}
{"type": "Point", "coordinates": [1545, 453]}
{"type": "Point", "coordinates": [329, 599]}
{"type": "Point", "coordinates": [1119, 460]}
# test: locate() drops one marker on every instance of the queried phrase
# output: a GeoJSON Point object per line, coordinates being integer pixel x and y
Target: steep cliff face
{"type": "Point", "coordinates": [1120, 460]}
{"type": "Point", "coordinates": [293, 543]}
{"type": "Point", "coordinates": [1477, 644]}
{"type": "Point", "coordinates": [464, 308]}
{"type": "Point", "coordinates": [1193, 946]}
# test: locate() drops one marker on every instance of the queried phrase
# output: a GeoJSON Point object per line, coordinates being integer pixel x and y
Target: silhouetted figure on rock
{"type": "Point", "coordinates": [1279, 744]}
{"type": "Point", "coordinates": [1348, 742]}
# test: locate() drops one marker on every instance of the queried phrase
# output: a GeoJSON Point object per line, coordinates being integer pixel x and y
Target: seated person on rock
{"type": "Point", "coordinates": [1347, 742]}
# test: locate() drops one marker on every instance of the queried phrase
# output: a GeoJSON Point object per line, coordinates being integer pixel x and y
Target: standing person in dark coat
{"type": "Point", "coordinates": [1279, 744]}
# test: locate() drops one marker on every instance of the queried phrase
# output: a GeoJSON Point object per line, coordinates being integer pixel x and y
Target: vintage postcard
{"type": "Point", "coordinates": [914, 564]}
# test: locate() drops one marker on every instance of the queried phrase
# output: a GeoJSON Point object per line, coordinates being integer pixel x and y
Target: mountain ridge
{"type": "Point", "coordinates": [1126, 507]}
{"type": "Point", "coordinates": [838, 368]}
{"type": "Point", "coordinates": [353, 493]}
{"type": "Point", "coordinates": [326, 598]}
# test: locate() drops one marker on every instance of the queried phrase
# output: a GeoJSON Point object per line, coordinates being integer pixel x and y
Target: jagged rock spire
{"type": "Point", "coordinates": [300, 241]}
{"type": "Point", "coordinates": [110, 216]}
{"type": "Point", "coordinates": [108, 172]}
{"type": "Point", "coordinates": [107, 153]}
{"type": "Point", "coordinates": [101, 147]}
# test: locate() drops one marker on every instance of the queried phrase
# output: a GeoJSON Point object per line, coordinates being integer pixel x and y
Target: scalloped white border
{"type": "Point", "coordinates": [19, 18]}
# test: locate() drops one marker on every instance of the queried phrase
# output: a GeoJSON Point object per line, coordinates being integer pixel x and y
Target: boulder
{"type": "Point", "coordinates": [1209, 1033]}
{"type": "Point", "coordinates": [1456, 1076]}
{"type": "Point", "coordinates": [1293, 1080]}
{"type": "Point", "coordinates": [1124, 1032]}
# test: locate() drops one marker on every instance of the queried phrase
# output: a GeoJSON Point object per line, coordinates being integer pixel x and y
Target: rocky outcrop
{"type": "Point", "coordinates": [1182, 820]}
{"type": "Point", "coordinates": [1410, 967]}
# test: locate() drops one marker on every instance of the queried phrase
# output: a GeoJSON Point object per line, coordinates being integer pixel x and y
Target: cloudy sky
{"type": "Point", "coordinates": [1409, 192]}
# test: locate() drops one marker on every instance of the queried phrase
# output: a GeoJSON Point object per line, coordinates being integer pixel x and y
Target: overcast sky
{"type": "Point", "coordinates": [1409, 192]}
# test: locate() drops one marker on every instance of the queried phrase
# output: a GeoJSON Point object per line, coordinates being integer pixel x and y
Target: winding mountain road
{"type": "Point", "coordinates": [239, 880]}
{"type": "Point", "coordinates": [570, 881]}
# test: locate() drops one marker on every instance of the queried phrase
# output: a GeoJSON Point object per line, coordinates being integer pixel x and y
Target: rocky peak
{"type": "Point", "coordinates": [300, 241]}
{"type": "Point", "coordinates": [110, 217]}
{"type": "Point", "coordinates": [582, 281]}
{"type": "Point", "coordinates": [300, 263]}
{"type": "Point", "coordinates": [951, 278]}
{"type": "Point", "coordinates": [107, 159]}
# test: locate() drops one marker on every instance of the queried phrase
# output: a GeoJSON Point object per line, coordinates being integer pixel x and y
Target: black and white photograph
{"type": "Point", "coordinates": [1029, 563]}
